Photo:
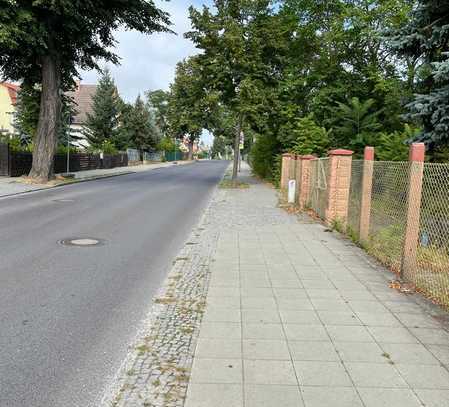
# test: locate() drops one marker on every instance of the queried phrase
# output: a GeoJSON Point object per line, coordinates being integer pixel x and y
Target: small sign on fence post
{"type": "Point", "coordinates": [291, 191]}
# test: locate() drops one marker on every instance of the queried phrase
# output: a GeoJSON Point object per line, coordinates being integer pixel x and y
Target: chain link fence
{"type": "Point", "coordinates": [432, 270]}
{"type": "Point", "coordinates": [355, 198]}
{"type": "Point", "coordinates": [388, 212]}
{"type": "Point", "coordinates": [388, 222]}
{"type": "Point", "coordinates": [397, 211]}
{"type": "Point", "coordinates": [319, 177]}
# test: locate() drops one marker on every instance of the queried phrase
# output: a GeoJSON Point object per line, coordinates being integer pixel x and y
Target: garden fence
{"type": "Point", "coordinates": [397, 211]}
{"type": "Point", "coordinates": [133, 154]}
{"type": "Point", "coordinates": [17, 163]}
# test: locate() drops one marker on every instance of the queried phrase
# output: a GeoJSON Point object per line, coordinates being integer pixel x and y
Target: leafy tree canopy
{"type": "Point", "coordinates": [46, 42]}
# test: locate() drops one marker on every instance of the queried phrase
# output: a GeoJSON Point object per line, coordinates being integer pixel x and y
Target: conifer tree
{"type": "Point", "coordinates": [101, 124]}
{"type": "Point", "coordinates": [426, 38]}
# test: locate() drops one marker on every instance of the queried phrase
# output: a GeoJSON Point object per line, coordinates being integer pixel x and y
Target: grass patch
{"type": "Point", "coordinates": [229, 184]}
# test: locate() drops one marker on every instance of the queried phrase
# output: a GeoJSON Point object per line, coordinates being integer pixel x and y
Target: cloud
{"type": "Point", "coordinates": [149, 62]}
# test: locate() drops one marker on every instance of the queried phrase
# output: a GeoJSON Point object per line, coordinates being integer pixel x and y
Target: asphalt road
{"type": "Point", "coordinates": [68, 314]}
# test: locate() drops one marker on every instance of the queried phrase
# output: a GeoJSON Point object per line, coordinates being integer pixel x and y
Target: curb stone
{"type": "Point", "coordinates": [156, 371]}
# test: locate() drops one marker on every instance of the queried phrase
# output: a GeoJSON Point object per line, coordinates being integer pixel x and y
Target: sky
{"type": "Point", "coordinates": [149, 62]}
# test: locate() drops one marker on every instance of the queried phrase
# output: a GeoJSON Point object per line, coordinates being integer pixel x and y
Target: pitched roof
{"type": "Point", "coordinates": [82, 97]}
{"type": "Point", "coordinates": [12, 90]}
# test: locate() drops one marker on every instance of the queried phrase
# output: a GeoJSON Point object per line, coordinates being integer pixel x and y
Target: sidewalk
{"type": "Point", "coordinates": [297, 316]}
{"type": "Point", "coordinates": [12, 186]}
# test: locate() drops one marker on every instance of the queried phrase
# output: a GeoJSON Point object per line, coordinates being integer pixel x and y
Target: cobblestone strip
{"type": "Point", "coordinates": [156, 372]}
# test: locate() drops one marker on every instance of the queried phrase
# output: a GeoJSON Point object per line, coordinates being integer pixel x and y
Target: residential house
{"type": "Point", "coordinates": [8, 99]}
{"type": "Point", "coordinates": [83, 98]}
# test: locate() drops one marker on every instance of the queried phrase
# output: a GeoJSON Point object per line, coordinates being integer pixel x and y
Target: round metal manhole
{"type": "Point", "coordinates": [82, 242]}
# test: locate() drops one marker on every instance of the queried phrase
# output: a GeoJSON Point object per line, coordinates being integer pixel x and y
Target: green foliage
{"type": "Point", "coordinates": [137, 126]}
{"type": "Point", "coordinates": [44, 43]}
{"type": "Point", "coordinates": [62, 149]}
{"type": "Point", "coordinates": [424, 40]}
{"type": "Point", "coordinates": [394, 146]}
{"type": "Point", "coordinates": [108, 147]}
{"type": "Point", "coordinates": [166, 144]}
{"type": "Point", "coordinates": [191, 108]}
{"type": "Point", "coordinates": [158, 101]}
{"type": "Point", "coordinates": [219, 146]}
{"type": "Point", "coordinates": [27, 111]}
{"type": "Point", "coordinates": [17, 143]}
{"type": "Point", "coordinates": [101, 124]}
{"type": "Point", "coordinates": [263, 157]}
{"type": "Point", "coordinates": [309, 138]}
{"type": "Point", "coordinates": [26, 114]}
{"type": "Point", "coordinates": [239, 42]}
{"type": "Point", "coordinates": [355, 124]}
{"type": "Point", "coordinates": [75, 33]}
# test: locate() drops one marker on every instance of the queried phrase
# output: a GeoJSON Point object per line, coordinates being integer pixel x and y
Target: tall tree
{"type": "Point", "coordinates": [46, 42]}
{"type": "Point", "coordinates": [138, 126]}
{"type": "Point", "coordinates": [158, 100]}
{"type": "Point", "coordinates": [426, 39]}
{"type": "Point", "coordinates": [101, 124]}
{"type": "Point", "coordinates": [191, 106]}
{"type": "Point", "coordinates": [235, 43]}
{"type": "Point", "coordinates": [355, 123]}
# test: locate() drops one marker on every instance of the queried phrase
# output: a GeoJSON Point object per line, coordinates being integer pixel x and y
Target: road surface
{"type": "Point", "coordinates": [68, 314]}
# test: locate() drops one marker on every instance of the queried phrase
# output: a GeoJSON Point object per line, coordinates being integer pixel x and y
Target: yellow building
{"type": "Point", "coordinates": [8, 98]}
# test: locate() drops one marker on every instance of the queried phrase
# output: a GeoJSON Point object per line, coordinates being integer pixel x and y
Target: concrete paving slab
{"type": "Point", "coordinates": [320, 325]}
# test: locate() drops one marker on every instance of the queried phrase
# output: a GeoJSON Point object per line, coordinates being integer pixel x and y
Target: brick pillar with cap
{"type": "Point", "coordinates": [367, 185]}
{"type": "Point", "coordinates": [305, 180]}
{"type": "Point", "coordinates": [416, 174]}
{"type": "Point", "coordinates": [339, 181]}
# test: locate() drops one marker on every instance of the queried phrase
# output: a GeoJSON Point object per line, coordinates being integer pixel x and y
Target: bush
{"type": "Point", "coordinates": [166, 144]}
{"type": "Point", "coordinates": [17, 144]}
{"type": "Point", "coordinates": [62, 150]}
{"type": "Point", "coordinates": [263, 158]}
{"type": "Point", "coordinates": [309, 138]}
{"type": "Point", "coordinates": [393, 146]}
{"type": "Point", "coordinates": [108, 147]}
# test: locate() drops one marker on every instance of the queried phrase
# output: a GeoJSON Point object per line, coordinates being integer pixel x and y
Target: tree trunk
{"type": "Point", "coordinates": [235, 167]}
{"type": "Point", "coordinates": [191, 143]}
{"type": "Point", "coordinates": [49, 117]}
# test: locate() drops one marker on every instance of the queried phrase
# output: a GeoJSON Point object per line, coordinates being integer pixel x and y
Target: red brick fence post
{"type": "Point", "coordinates": [411, 237]}
{"type": "Point", "coordinates": [338, 184]}
{"type": "Point", "coordinates": [367, 185]}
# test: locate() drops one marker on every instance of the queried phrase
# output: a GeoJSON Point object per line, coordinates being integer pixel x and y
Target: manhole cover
{"type": "Point", "coordinates": [82, 242]}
